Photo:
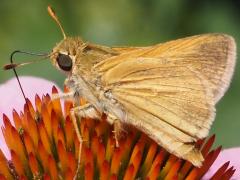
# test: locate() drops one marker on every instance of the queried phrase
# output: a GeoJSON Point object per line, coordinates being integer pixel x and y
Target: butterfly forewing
{"type": "Point", "coordinates": [212, 55]}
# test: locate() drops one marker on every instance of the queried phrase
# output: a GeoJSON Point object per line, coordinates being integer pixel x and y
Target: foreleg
{"type": "Point", "coordinates": [86, 110]}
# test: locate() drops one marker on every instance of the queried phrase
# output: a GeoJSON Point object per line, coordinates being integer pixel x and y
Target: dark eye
{"type": "Point", "coordinates": [64, 62]}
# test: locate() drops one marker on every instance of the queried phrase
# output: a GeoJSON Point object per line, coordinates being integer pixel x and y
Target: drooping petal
{"type": "Point", "coordinates": [232, 155]}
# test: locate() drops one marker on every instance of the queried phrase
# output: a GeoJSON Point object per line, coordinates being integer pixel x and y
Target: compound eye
{"type": "Point", "coordinates": [64, 62]}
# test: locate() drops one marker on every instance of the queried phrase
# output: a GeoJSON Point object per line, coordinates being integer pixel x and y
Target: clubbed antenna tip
{"type": "Point", "coordinates": [55, 18]}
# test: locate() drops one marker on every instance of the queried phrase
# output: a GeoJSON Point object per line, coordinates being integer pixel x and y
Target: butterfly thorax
{"type": "Point", "coordinates": [76, 59]}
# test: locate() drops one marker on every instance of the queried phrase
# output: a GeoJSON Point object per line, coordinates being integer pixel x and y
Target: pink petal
{"type": "Point", "coordinates": [232, 155]}
{"type": "Point", "coordinates": [11, 97]}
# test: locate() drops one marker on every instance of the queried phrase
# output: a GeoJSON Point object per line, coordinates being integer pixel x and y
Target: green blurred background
{"type": "Point", "coordinates": [26, 25]}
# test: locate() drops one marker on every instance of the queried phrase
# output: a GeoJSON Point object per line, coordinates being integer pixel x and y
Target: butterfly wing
{"type": "Point", "coordinates": [212, 55]}
{"type": "Point", "coordinates": [169, 90]}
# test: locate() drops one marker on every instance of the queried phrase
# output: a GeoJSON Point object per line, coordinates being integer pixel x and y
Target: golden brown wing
{"type": "Point", "coordinates": [212, 55]}
{"type": "Point", "coordinates": [169, 90]}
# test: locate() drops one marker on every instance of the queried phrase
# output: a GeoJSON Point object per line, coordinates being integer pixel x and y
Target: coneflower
{"type": "Point", "coordinates": [43, 145]}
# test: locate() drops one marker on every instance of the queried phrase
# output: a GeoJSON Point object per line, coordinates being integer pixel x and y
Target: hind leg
{"type": "Point", "coordinates": [117, 127]}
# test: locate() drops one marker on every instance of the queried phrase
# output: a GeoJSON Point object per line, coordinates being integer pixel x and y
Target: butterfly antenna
{"type": "Point", "coordinates": [55, 18]}
{"type": "Point", "coordinates": [13, 65]}
{"type": "Point", "coordinates": [16, 75]}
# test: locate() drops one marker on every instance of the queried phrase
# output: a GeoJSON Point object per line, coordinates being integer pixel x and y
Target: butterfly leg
{"type": "Point", "coordinates": [87, 110]}
{"type": "Point", "coordinates": [117, 127]}
{"type": "Point", "coordinates": [67, 95]}
{"type": "Point", "coordinates": [74, 120]}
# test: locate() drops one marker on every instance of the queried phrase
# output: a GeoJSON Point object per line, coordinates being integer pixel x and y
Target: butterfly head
{"type": "Point", "coordinates": [64, 54]}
